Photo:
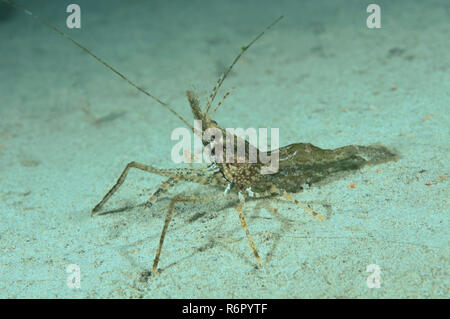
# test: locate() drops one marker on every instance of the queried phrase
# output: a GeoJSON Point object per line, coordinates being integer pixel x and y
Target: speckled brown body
{"type": "Point", "coordinates": [305, 164]}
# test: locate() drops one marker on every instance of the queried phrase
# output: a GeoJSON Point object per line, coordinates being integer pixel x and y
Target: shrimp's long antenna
{"type": "Point", "coordinates": [15, 5]}
{"type": "Point", "coordinates": [225, 74]}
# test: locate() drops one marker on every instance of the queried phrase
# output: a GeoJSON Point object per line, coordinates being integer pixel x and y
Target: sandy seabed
{"type": "Point", "coordinates": [68, 126]}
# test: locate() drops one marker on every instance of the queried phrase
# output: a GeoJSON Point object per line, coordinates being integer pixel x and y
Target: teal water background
{"type": "Point", "coordinates": [68, 126]}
